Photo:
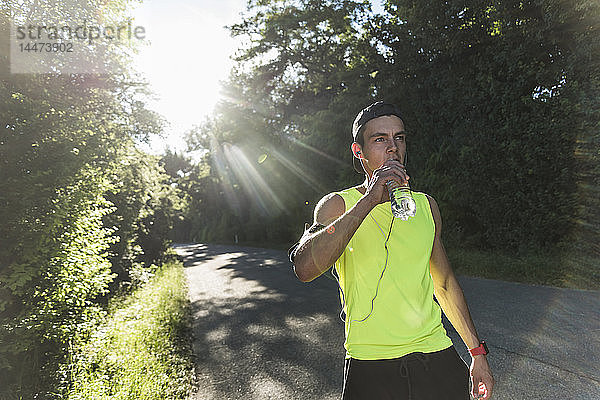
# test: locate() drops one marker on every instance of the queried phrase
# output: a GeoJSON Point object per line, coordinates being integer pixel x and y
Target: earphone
{"type": "Point", "coordinates": [356, 151]}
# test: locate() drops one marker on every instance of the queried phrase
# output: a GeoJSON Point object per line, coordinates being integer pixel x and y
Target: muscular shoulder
{"type": "Point", "coordinates": [435, 212]}
{"type": "Point", "coordinates": [329, 208]}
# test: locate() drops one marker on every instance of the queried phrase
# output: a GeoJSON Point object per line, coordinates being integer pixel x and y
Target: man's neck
{"type": "Point", "coordinates": [363, 187]}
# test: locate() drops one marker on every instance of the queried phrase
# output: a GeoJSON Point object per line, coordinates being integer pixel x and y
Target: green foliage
{"type": "Point", "coordinates": [501, 99]}
{"type": "Point", "coordinates": [142, 349]}
{"type": "Point", "coordinates": [535, 267]}
{"type": "Point", "coordinates": [49, 288]}
{"type": "Point", "coordinates": [81, 209]}
{"type": "Point", "coordinates": [145, 205]}
{"type": "Point", "coordinates": [507, 120]}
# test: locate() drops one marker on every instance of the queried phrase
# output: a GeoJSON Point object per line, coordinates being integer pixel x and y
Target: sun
{"type": "Point", "coordinates": [186, 58]}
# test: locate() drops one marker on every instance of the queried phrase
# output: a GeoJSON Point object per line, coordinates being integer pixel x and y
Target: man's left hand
{"type": "Point", "coordinates": [482, 380]}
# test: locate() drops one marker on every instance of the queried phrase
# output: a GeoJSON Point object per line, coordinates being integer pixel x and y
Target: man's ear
{"type": "Point", "coordinates": [356, 150]}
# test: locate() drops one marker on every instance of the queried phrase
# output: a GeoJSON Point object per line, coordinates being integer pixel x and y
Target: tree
{"type": "Point", "coordinates": [497, 97]}
{"type": "Point", "coordinates": [66, 146]}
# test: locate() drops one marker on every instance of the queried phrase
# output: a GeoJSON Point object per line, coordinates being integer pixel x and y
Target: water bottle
{"type": "Point", "coordinates": [403, 204]}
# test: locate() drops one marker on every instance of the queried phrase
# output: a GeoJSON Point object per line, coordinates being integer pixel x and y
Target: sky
{"type": "Point", "coordinates": [188, 55]}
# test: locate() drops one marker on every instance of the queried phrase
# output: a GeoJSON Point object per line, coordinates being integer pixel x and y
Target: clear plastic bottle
{"type": "Point", "coordinates": [403, 204]}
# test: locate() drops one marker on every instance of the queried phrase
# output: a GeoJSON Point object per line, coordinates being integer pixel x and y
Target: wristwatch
{"type": "Point", "coordinates": [481, 350]}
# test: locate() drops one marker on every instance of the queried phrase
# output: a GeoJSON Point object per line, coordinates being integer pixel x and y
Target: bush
{"type": "Point", "coordinates": [142, 350]}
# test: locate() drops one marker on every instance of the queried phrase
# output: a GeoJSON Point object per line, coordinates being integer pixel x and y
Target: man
{"type": "Point", "coordinates": [389, 269]}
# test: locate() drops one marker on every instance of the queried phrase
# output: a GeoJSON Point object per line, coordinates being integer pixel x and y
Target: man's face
{"type": "Point", "coordinates": [384, 139]}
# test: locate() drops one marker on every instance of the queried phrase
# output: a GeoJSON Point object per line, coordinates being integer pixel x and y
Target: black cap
{"type": "Point", "coordinates": [372, 111]}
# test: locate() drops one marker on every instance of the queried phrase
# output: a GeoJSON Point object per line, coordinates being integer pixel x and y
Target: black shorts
{"type": "Point", "coordinates": [441, 375]}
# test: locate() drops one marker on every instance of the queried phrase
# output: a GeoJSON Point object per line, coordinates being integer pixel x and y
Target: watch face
{"type": "Point", "coordinates": [485, 347]}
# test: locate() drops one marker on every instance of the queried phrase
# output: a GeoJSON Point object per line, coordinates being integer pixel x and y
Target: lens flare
{"type": "Point", "coordinates": [252, 182]}
{"type": "Point", "coordinates": [302, 174]}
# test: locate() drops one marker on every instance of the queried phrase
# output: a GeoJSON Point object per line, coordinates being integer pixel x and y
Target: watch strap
{"type": "Point", "coordinates": [482, 349]}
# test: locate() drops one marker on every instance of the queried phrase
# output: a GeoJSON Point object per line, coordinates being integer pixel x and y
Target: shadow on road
{"type": "Point", "coordinates": [259, 332]}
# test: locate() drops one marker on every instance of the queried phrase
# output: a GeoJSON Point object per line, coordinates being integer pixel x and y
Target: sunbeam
{"type": "Point", "coordinates": [251, 180]}
{"type": "Point", "coordinates": [224, 173]}
{"type": "Point", "coordinates": [305, 176]}
{"type": "Point", "coordinates": [319, 152]}
{"type": "Point", "coordinates": [261, 110]}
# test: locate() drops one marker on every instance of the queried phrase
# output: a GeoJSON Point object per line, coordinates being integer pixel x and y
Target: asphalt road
{"type": "Point", "coordinates": [259, 333]}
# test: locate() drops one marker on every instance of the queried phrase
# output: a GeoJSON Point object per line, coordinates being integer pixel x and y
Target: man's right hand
{"type": "Point", "coordinates": [390, 170]}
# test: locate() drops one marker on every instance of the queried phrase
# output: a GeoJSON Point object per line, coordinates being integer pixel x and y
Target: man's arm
{"type": "Point", "coordinates": [318, 251]}
{"type": "Point", "coordinates": [452, 300]}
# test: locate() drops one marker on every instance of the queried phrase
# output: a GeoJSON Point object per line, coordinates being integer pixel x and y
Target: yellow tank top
{"type": "Point", "coordinates": [403, 318]}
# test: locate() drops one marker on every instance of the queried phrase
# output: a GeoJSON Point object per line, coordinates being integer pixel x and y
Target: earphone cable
{"type": "Point", "coordinates": [378, 282]}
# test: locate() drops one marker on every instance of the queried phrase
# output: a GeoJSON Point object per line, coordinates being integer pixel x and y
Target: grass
{"type": "Point", "coordinates": [575, 271]}
{"type": "Point", "coordinates": [142, 351]}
